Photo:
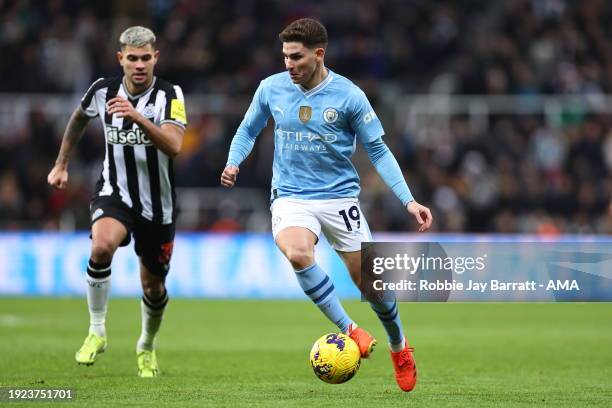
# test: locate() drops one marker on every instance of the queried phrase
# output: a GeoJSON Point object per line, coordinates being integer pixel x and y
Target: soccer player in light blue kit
{"type": "Point", "coordinates": [319, 116]}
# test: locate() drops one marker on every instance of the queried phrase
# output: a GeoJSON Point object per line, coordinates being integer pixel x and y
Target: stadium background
{"type": "Point", "coordinates": [498, 113]}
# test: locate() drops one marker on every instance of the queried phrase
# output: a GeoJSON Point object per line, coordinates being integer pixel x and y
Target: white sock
{"type": "Point", "coordinates": [97, 297]}
{"type": "Point", "coordinates": [152, 313]}
{"type": "Point", "coordinates": [350, 328]}
{"type": "Point", "coordinates": [396, 348]}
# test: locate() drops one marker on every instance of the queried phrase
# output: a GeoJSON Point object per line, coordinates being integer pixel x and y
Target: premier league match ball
{"type": "Point", "coordinates": [335, 358]}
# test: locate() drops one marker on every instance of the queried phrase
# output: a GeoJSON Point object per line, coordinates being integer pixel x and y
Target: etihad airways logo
{"type": "Point", "coordinates": [136, 136]}
{"type": "Point", "coordinates": [305, 136]}
{"type": "Point", "coordinates": [305, 141]}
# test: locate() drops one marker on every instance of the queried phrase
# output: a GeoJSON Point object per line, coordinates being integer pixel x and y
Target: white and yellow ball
{"type": "Point", "coordinates": [335, 358]}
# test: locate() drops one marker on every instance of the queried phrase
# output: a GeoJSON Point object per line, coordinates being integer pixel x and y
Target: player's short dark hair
{"type": "Point", "coordinates": [308, 31]}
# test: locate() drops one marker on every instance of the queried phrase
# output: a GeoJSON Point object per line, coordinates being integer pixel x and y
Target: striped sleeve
{"type": "Point", "coordinates": [88, 102]}
{"type": "Point", "coordinates": [174, 109]}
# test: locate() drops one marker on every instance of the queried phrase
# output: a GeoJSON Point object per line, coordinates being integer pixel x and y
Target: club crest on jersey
{"type": "Point", "coordinates": [305, 113]}
{"type": "Point", "coordinates": [149, 111]}
{"type": "Point", "coordinates": [330, 115]}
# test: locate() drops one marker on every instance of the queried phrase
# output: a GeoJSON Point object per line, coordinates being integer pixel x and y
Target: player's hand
{"type": "Point", "coordinates": [229, 175]}
{"type": "Point", "coordinates": [122, 108]}
{"type": "Point", "coordinates": [421, 213]}
{"type": "Point", "coordinates": [58, 177]}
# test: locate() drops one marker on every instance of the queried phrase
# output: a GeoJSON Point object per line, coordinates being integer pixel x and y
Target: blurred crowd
{"type": "Point", "coordinates": [519, 174]}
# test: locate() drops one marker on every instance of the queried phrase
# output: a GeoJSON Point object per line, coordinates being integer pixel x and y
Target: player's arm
{"type": "Point", "coordinates": [167, 137]}
{"type": "Point", "coordinates": [58, 176]}
{"type": "Point", "coordinates": [389, 170]}
{"type": "Point", "coordinates": [255, 119]}
{"type": "Point", "coordinates": [241, 147]}
{"type": "Point", "coordinates": [369, 131]}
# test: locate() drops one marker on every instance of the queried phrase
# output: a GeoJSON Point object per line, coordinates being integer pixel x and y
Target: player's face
{"type": "Point", "coordinates": [302, 62]}
{"type": "Point", "coordinates": [138, 64]}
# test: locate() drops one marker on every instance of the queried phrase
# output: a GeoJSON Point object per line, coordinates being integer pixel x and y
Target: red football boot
{"type": "Point", "coordinates": [363, 339]}
{"type": "Point", "coordinates": [405, 368]}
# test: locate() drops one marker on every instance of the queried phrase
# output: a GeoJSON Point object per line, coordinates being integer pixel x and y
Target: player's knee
{"type": "Point", "coordinates": [153, 290]}
{"type": "Point", "coordinates": [102, 251]}
{"type": "Point", "coordinates": [300, 258]}
{"type": "Point", "coordinates": [356, 276]}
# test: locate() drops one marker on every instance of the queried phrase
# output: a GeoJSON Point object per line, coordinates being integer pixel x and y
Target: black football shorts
{"type": "Point", "coordinates": [152, 242]}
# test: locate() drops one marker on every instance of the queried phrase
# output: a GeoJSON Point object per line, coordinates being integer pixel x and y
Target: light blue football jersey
{"type": "Point", "coordinates": [315, 134]}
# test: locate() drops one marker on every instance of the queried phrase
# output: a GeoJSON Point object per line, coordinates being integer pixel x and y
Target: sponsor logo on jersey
{"type": "Point", "coordinates": [306, 136]}
{"type": "Point", "coordinates": [177, 111]}
{"type": "Point", "coordinates": [305, 113]}
{"type": "Point", "coordinates": [330, 115]}
{"type": "Point", "coordinates": [305, 141]}
{"type": "Point", "coordinates": [136, 136]}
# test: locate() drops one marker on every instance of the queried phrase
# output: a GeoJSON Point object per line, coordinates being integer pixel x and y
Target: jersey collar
{"type": "Point", "coordinates": [316, 89]}
{"type": "Point", "coordinates": [130, 96]}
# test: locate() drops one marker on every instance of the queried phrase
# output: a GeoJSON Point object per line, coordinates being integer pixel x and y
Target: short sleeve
{"type": "Point", "coordinates": [174, 110]}
{"type": "Point", "coordinates": [88, 101]}
{"type": "Point", "coordinates": [363, 119]}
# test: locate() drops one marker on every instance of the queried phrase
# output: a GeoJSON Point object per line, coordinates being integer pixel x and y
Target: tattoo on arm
{"type": "Point", "coordinates": [74, 130]}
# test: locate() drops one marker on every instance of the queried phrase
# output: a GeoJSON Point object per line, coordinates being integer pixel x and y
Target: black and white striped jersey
{"type": "Point", "coordinates": [134, 170]}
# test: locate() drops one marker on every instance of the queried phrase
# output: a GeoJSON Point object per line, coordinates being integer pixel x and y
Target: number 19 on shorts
{"type": "Point", "coordinates": [351, 216]}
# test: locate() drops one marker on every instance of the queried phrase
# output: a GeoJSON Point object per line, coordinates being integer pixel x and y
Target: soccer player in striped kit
{"type": "Point", "coordinates": [319, 116]}
{"type": "Point", "coordinates": [144, 119]}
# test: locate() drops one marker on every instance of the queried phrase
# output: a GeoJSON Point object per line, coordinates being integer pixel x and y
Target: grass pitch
{"type": "Point", "coordinates": [255, 353]}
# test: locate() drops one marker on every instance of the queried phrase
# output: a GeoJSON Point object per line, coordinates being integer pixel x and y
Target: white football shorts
{"type": "Point", "coordinates": [340, 220]}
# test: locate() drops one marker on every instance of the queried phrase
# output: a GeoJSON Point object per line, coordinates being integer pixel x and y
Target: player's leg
{"type": "Point", "coordinates": [152, 307]}
{"type": "Point", "coordinates": [388, 314]}
{"type": "Point", "coordinates": [297, 244]}
{"type": "Point", "coordinates": [344, 240]}
{"type": "Point", "coordinates": [387, 311]}
{"type": "Point", "coordinates": [346, 228]}
{"type": "Point", "coordinates": [295, 231]}
{"type": "Point", "coordinates": [341, 225]}
{"type": "Point", "coordinates": [107, 235]}
{"type": "Point", "coordinates": [153, 243]}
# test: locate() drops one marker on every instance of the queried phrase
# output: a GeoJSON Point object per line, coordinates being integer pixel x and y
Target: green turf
{"type": "Point", "coordinates": [255, 353]}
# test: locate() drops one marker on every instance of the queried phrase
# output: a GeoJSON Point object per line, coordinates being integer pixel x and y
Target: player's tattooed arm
{"type": "Point", "coordinates": [58, 176]}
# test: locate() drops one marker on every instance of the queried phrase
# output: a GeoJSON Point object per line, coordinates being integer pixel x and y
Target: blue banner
{"type": "Point", "coordinates": [211, 265]}
{"type": "Point", "coordinates": [203, 265]}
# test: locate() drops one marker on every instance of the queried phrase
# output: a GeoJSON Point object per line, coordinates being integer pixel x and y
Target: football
{"type": "Point", "coordinates": [335, 358]}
